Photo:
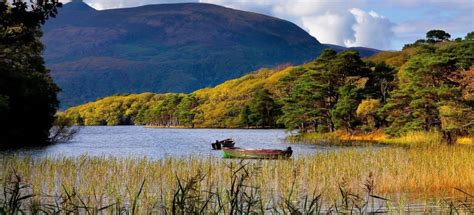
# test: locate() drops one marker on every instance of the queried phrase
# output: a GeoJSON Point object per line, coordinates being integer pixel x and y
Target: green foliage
{"type": "Point", "coordinates": [343, 113]}
{"type": "Point", "coordinates": [426, 83]}
{"type": "Point", "coordinates": [380, 81]}
{"type": "Point", "coordinates": [185, 110]}
{"type": "Point", "coordinates": [324, 97]}
{"type": "Point", "coordinates": [27, 93]}
{"type": "Point", "coordinates": [245, 116]}
{"type": "Point", "coordinates": [263, 109]}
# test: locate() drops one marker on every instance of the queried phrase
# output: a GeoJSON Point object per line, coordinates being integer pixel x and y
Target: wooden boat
{"type": "Point", "coordinates": [219, 144]}
{"type": "Point", "coordinates": [257, 153]}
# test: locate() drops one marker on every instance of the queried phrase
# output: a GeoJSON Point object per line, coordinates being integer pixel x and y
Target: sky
{"type": "Point", "coordinates": [381, 24]}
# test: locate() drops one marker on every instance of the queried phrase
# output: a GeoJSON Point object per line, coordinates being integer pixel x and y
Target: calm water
{"type": "Point", "coordinates": [137, 141]}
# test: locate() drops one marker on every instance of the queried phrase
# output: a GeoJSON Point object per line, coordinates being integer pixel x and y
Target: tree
{"type": "Point", "coordinates": [367, 111]}
{"type": "Point", "coordinates": [456, 119]}
{"type": "Point", "coordinates": [165, 113]}
{"type": "Point", "coordinates": [380, 82]}
{"type": "Point", "coordinates": [343, 113]}
{"type": "Point", "coordinates": [425, 84]}
{"type": "Point", "coordinates": [245, 116]}
{"type": "Point", "coordinates": [28, 93]}
{"type": "Point", "coordinates": [325, 94]}
{"type": "Point", "coordinates": [263, 109]}
{"type": "Point", "coordinates": [437, 36]}
{"type": "Point", "coordinates": [469, 36]}
{"type": "Point", "coordinates": [305, 107]}
{"type": "Point", "coordinates": [185, 110]}
{"type": "Point", "coordinates": [412, 105]}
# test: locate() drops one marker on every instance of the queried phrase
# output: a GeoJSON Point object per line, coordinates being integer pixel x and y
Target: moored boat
{"type": "Point", "coordinates": [219, 144]}
{"type": "Point", "coordinates": [257, 153]}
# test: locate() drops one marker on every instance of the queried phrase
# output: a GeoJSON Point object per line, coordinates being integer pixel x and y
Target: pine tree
{"type": "Point", "coordinates": [426, 84]}
{"type": "Point", "coordinates": [263, 109]}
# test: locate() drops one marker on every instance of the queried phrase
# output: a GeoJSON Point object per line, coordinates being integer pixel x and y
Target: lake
{"type": "Point", "coordinates": [155, 143]}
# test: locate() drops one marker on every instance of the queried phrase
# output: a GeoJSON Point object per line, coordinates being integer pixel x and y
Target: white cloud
{"type": "Point", "coordinates": [335, 22]}
{"type": "Point", "coordinates": [370, 30]}
{"type": "Point", "coordinates": [330, 27]}
{"type": "Point", "coordinates": [344, 22]}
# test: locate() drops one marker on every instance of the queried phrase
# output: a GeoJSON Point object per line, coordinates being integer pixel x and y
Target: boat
{"type": "Point", "coordinates": [236, 152]}
{"type": "Point", "coordinates": [219, 144]}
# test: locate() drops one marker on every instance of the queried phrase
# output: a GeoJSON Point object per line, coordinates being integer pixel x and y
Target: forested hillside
{"type": "Point", "coordinates": [164, 48]}
{"type": "Point", "coordinates": [428, 85]}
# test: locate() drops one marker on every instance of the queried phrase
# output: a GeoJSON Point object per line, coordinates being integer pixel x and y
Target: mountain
{"type": "Point", "coordinates": [164, 48]}
{"type": "Point", "coordinates": [363, 51]}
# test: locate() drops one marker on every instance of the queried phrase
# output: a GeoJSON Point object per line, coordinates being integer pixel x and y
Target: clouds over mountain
{"type": "Point", "coordinates": [332, 22]}
{"type": "Point", "coordinates": [382, 24]}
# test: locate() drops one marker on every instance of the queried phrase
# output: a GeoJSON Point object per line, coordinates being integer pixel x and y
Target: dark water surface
{"type": "Point", "coordinates": [137, 141]}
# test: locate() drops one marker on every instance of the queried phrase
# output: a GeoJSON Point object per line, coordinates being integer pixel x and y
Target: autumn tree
{"type": "Point", "coordinates": [367, 111]}
{"type": "Point", "coordinates": [456, 119]}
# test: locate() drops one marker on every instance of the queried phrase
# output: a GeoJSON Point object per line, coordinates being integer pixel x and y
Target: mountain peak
{"type": "Point", "coordinates": [78, 5]}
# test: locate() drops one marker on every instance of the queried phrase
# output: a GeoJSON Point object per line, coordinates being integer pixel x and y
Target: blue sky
{"type": "Point", "coordinates": [382, 24]}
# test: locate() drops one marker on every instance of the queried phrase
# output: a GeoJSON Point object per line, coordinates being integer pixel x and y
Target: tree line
{"type": "Point", "coordinates": [432, 89]}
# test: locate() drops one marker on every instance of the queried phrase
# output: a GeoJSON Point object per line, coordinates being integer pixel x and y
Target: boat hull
{"type": "Point", "coordinates": [256, 153]}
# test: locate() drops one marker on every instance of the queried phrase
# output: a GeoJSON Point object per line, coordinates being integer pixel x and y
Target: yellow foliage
{"type": "Point", "coordinates": [393, 58]}
{"type": "Point", "coordinates": [218, 107]}
{"type": "Point", "coordinates": [368, 107]}
{"type": "Point", "coordinates": [465, 141]}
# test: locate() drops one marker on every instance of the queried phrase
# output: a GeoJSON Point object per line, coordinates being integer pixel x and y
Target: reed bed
{"type": "Point", "coordinates": [412, 138]}
{"type": "Point", "coordinates": [330, 181]}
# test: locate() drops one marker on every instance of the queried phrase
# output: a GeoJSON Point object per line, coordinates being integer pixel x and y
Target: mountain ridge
{"type": "Point", "coordinates": [164, 48]}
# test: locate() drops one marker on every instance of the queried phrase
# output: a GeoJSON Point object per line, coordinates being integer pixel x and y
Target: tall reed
{"type": "Point", "coordinates": [305, 183]}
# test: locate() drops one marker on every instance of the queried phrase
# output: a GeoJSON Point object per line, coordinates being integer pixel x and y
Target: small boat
{"type": "Point", "coordinates": [257, 153]}
{"type": "Point", "coordinates": [219, 144]}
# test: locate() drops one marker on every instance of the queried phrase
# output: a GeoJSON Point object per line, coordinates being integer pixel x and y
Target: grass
{"type": "Point", "coordinates": [413, 138]}
{"type": "Point", "coordinates": [432, 138]}
{"type": "Point", "coordinates": [345, 179]}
